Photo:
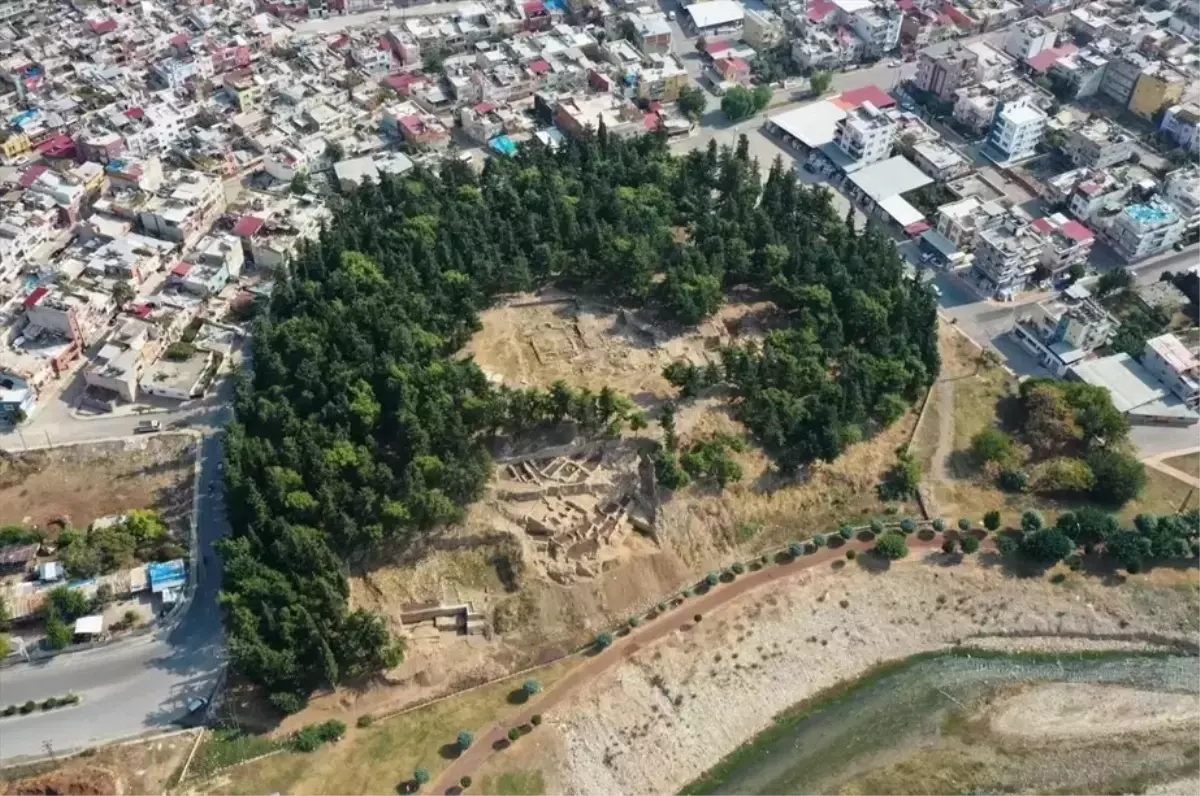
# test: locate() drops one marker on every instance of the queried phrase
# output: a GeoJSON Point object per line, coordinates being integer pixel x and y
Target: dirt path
{"type": "Point", "coordinates": [945, 443]}
{"type": "Point", "coordinates": [496, 738]}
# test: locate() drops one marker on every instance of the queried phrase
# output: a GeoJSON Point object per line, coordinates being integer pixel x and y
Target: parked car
{"type": "Point", "coordinates": [147, 427]}
{"type": "Point", "coordinates": [671, 15]}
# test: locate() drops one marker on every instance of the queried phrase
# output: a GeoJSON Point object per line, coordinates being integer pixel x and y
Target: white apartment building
{"type": "Point", "coordinates": [1005, 255]}
{"type": "Point", "coordinates": [184, 208]}
{"type": "Point", "coordinates": [1170, 361]}
{"type": "Point", "coordinates": [959, 221]}
{"type": "Point", "coordinates": [1180, 122]}
{"type": "Point", "coordinates": [878, 26]}
{"type": "Point", "coordinates": [1064, 330]}
{"type": "Point", "coordinates": [866, 134]}
{"type": "Point", "coordinates": [1146, 229]}
{"type": "Point", "coordinates": [1017, 129]}
{"type": "Point", "coordinates": [1098, 145]}
{"type": "Point", "coordinates": [1182, 189]}
{"type": "Point", "coordinates": [1028, 38]}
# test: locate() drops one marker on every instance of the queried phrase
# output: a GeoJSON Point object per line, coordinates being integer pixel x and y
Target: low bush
{"type": "Point", "coordinates": [892, 546]}
{"type": "Point", "coordinates": [939, 524]}
{"type": "Point", "coordinates": [846, 532]}
{"type": "Point", "coordinates": [28, 707]}
{"type": "Point", "coordinates": [661, 608]}
{"type": "Point", "coordinates": [948, 546]}
{"type": "Point", "coordinates": [464, 783]}
{"type": "Point", "coordinates": [49, 704]}
{"type": "Point", "coordinates": [365, 720]}
{"type": "Point", "coordinates": [876, 527]}
{"type": "Point", "coordinates": [604, 640]}
{"type": "Point", "coordinates": [820, 540]}
{"type": "Point", "coordinates": [964, 524]}
{"type": "Point", "coordinates": [738, 567]}
{"type": "Point", "coordinates": [314, 736]}
{"type": "Point", "coordinates": [908, 525]}
{"type": "Point", "coordinates": [969, 544]}
{"type": "Point", "coordinates": [514, 734]}
{"type": "Point", "coordinates": [11, 710]}
{"type": "Point", "coordinates": [535, 719]}
{"type": "Point", "coordinates": [795, 549]}
{"type": "Point", "coordinates": [697, 617]}
{"type": "Point", "coordinates": [851, 554]}
{"type": "Point", "coordinates": [712, 579]}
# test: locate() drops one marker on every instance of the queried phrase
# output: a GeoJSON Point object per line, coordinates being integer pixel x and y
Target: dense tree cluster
{"type": "Point", "coordinates": [1169, 537]}
{"type": "Point", "coordinates": [361, 424]}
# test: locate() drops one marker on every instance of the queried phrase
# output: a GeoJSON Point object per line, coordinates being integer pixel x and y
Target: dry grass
{"type": "Point", "coordinates": [379, 758]}
{"type": "Point", "coordinates": [1188, 463]}
{"type": "Point", "coordinates": [79, 483]}
{"type": "Point", "coordinates": [142, 767]}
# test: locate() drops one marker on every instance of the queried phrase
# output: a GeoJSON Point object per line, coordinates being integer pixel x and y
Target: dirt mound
{"type": "Point", "coordinates": [84, 781]}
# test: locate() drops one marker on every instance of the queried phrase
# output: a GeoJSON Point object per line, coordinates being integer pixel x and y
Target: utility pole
{"type": "Point", "coordinates": [49, 749]}
{"type": "Point", "coordinates": [49, 444]}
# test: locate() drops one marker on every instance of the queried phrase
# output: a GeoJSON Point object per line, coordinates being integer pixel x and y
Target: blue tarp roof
{"type": "Point", "coordinates": [166, 574]}
{"type": "Point", "coordinates": [504, 145]}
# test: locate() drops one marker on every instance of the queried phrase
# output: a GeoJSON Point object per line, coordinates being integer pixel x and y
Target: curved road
{"type": "Point", "coordinates": [496, 737]}
{"type": "Point", "coordinates": [143, 684]}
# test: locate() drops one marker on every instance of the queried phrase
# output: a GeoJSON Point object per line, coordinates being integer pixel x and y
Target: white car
{"type": "Point", "coordinates": [671, 15]}
{"type": "Point", "coordinates": [893, 63]}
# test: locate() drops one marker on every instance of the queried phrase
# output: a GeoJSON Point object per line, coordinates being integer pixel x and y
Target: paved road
{"type": "Point", "coordinates": [143, 684]}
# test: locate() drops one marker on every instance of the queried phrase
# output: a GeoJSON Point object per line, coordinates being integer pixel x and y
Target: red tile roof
{"type": "Point", "coordinates": [1076, 231]}
{"type": "Point", "coordinates": [102, 26]}
{"type": "Point", "coordinates": [181, 269]}
{"type": "Point", "coordinates": [35, 297]}
{"type": "Point", "coordinates": [484, 108]}
{"type": "Point", "coordinates": [713, 47]}
{"type": "Point", "coordinates": [135, 113]}
{"type": "Point", "coordinates": [247, 226]}
{"type": "Point", "coordinates": [540, 67]}
{"type": "Point", "coordinates": [32, 173]}
{"type": "Point", "coordinates": [534, 7]}
{"type": "Point", "coordinates": [872, 94]}
{"type": "Point", "coordinates": [1043, 226]}
{"type": "Point", "coordinates": [820, 9]}
{"type": "Point", "coordinates": [1046, 58]}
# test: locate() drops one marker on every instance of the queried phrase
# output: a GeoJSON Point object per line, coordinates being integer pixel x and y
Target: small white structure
{"type": "Point", "coordinates": [50, 572]}
{"type": "Point", "coordinates": [89, 625]}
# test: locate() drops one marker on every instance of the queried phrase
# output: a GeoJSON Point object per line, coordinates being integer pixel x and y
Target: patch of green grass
{"type": "Point", "coordinates": [513, 783]}
{"type": "Point", "coordinates": [226, 747]}
{"type": "Point", "coordinates": [378, 758]}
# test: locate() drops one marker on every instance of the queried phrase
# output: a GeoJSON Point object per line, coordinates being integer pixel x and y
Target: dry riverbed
{"type": "Point", "coordinates": [655, 722]}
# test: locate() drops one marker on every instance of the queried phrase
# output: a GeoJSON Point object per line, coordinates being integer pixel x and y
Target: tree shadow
{"type": "Point", "coordinates": [865, 535]}
{"type": "Point", "coordinates": [450, 751]}
{"type": "Point", "coordinates": [836, 542]}
{"type": "Point", "coordinates": [961, 464]}
{"type": "Point", "coordinates": [872, 563]}
{"type": "Point", "coordinates": [838, 565]}
{"type": "Point", "coordinates": [501, 744]}
{"type": "Point", "coordinates": [518, 696]}
{"type": "Point", "coordinates": [927, 535]}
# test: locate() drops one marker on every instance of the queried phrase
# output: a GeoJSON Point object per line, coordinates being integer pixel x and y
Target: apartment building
{"type": "Point", "coordinates": [762, 28]}
{"type": "Point", "coordinates": [1169, 360]}
{"type": "Point", "coordinates": [1028, 38]}
{"type": "Point", "coordinates": [944, 69]}
{"type": "Point", "coordinates": [878, 26]}
{"type": "Point", "coordinates": [1143, 230]}
{"type": "Point", "coordinates": [1006, 255]}
{"type": "Point", "coordinates": [960, 221]}
{"type": "Point", "coordinates": [1084, 71]}
{"type": "Point", "coordinates": [1180, 123]}
{"type": "Point", "coordinates": [1065, 243]}
{"type": "Point", "coordinates": [866, 134]}
{"type": "Point", "coordinates": [1159, 86]}
{"type": "Point", "coordinates": [1064, 330]}
{"type": "Point", "coordinates": [1182, 189]}
{"type": "Point", "coordinates": [183, 208]}
{"type": "Point", "coordinates": [1098, 144]}
{"type": "Point", "coordinates": [1016, 129]}
{"type": "Point", "coordinates": [1094, 192]}
{"type": "Point", "coordinates": [975, 105]}
{"type": "Point", "coordinates": [1122, 75]}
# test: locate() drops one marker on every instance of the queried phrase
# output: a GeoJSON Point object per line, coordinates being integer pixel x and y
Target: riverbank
{"type": "Point", "coordinates": [676, 708]}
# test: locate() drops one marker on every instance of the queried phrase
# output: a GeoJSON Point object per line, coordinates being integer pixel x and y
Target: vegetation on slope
{"type": "Point", "coordinates": [360, 425]}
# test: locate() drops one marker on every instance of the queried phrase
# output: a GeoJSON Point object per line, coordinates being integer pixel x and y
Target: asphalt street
{"type": "Point", "coordinates": [143, 684]}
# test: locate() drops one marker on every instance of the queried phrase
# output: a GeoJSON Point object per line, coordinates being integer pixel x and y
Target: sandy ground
{"type": "Point", "coordinates": [1080, 710]}
{"type": "Point", "coordinates": [135, 767]}
{"type": "Point", "coordinates": [653, 724]}
{"type": "Point", "coordinates": [79, 483]}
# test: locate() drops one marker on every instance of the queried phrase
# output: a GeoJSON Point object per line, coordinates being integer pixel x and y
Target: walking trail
{"type": "Point", "coordinates": [496, 738]}
{"type": "Point", "coordinates": [945, 443]}
{"type": "Point", "coordinates": [1158, 463]}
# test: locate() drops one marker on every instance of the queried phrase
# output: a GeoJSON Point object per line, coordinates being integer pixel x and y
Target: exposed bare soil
{"type": "Point", "coordinates": [78, 483]}
{"type": "Point", "coordinates": [1063, 711]}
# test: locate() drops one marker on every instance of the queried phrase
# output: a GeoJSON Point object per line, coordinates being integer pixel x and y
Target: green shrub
{"type": "Point", "coordinates": [1006, 545]}
{"type": "Point", "coordinates": [661, 608]}
{"type": "Point", "coordinates": [712, 579]}
{"type": "Point", "coordinates": [314, 736]}
{"type": "Point", "coordinates": [365, 720]}
{"type": "Point", "coordinates": [420, 776]}
{"type": "Point", "coordinates": [697, 617]}
{"type": "Point", "coordinates": [1031, 521]}
{"type": "Point", "coordinates": [514, 733]}
{"type": "Point", "coordinates": [846, 532]}
{"type": "Point", "coordinates": [69, 699]}
{"type": "Point", "coordinates": [892, 546]}
{"type": "Point", "coordinates": [991, 520]}
{"type": "Point", "coordinates": [795, 549]}
{"type": "Point", "coordinates": [820, 540]}
{"type": "Point", "coordinates": [939, 524]}
{"type": "Point", "coordinates": [465, 739]}
{"type": "Point", "coordinates": [964, 524]}
{"type": "Point", "coordinates": [908, 525]}
{"type": "Point", "coordinates": [948, 546]}
{"type": "Point", "coordinates": [738, 567]}
{"type": "Point", "coordinates": [634, 621]}
{"type": "Point", "coordinates": [969, 544]}
{"type": "Point", "coordinates": [49, 704]}
{"type": "Point", "coordinates": [851, 554]}
{"type": "Point", "coordinates": [876, 527]}
{"type": "Point", "coordinates": [604, 640]}
{"type": "Point", "coordinates": [10, 710]}
{"type": "Point", "coordinates": [535, 719]}
{"type": "Point", "coordinates": [464, 783]}
{"type": "Point", "coordinates": [28, 707]}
